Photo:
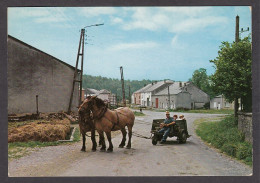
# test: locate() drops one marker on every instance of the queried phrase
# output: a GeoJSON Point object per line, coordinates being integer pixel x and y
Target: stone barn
{"type": "Point", "coordinates": [179, 99]}
{"type": "Point", "coordinates": [31, 73]}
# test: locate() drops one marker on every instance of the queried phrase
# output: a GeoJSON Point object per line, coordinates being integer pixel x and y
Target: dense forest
{"type": "Point", "coordinates": [113, 85]}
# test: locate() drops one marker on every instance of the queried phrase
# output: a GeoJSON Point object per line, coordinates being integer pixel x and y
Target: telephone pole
{"type": "Point", "coordinates": [123, 87]}
{"type": "Point", "coordinates": [169, 99]}
{"type": "Point", "coordinates": [81, 47]}
{"type": "Point", "coordinates": [129, 95]}
{"type": "Point", "coordinates": [76, 73]}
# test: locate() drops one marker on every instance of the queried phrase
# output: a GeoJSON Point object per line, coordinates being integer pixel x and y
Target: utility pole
{"type": "Point", "coordinates": [123, 87]}
{"type": "Point", "coordinates": [81, 47]}
{"type": "Point", "coordinates": [169, 97]}
{"type": "Point", "coordinates": [236, 40]}
{"type": "Point", "coordinates": [129, 95]}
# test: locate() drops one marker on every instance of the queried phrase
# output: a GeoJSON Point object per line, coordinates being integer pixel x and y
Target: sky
{"type": "Point", "coordinates": [153, 43]}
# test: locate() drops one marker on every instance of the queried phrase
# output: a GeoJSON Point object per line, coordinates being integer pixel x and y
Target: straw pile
{"type": "Point", "coordinates": [41, 131]}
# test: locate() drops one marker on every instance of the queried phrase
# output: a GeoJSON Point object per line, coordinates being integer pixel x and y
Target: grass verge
{"type": "Point", "coordinates": [19, 149]}
{"type": "Point", "coordinates": [225, 136]}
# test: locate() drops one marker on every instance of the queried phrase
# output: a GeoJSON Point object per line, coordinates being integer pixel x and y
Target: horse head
{"type": "Point", "coordinates": [84, 108]}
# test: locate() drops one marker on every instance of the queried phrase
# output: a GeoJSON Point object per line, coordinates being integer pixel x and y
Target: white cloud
{"type": "Point", "coordinates": [96, 11]}
{"type": "Point", "coordinates": [172, 19]}
{"type": "Point", "coordinates": [176, 44]}
{"type": "Point", "coordinates": [194, 24]}
{"type": "Point", "coordinates": [28, 12]}
{"type": "Point", "coordinates": [116, 20]}
{"type": "Point", "coordinates": [39, 14]}
{"type": "Point", "coordinates": [127, 46]}
{"type": "Point", "coordinates": [186, 11]}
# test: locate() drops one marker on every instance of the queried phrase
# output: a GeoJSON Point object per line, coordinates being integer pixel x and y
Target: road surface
{"type": "Point", "coordinates": [144, 159]}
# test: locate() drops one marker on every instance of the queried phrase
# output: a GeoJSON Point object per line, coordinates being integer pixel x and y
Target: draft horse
{"type": "Point", "coordinates": [106, 120]}
{"type": "Point", "coordinates": [86, 124]}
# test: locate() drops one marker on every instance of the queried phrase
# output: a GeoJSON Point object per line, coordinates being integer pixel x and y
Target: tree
{"type": "Point", "coordinates": [233, 76]}
{"type": "Point", "coordinates": [203, 81]}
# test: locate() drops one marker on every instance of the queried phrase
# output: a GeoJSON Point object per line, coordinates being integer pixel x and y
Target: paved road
{"type": "Point", "coordinates": [144, 159]}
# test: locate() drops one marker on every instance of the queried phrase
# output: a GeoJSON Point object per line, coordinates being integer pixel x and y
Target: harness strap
{"type": "Point", "coordinates": [116, 121]}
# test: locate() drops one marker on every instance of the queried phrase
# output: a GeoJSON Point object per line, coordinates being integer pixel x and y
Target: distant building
{"type": "Point", "coordinates": [182, 95]}
{"type": "Point", "coordinates": [219, 102]}
{"type": "Point", "coordinates": [103, 94]}
{"type": "Point", "coordinates": [198, 97]}
{"type": "Point", "coordinates": [32, 72]}
{"type": "Point", "coordinates": [179, 99]}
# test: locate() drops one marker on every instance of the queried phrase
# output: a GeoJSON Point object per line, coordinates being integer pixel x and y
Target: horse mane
{"type": "Point", "coordinates": [99, 102]}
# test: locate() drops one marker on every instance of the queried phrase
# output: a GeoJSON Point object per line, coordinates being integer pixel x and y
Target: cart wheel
{"type": "Point", "coordinates": [183, 137]}
{"type": "Point", "coordinates": [154, 140]}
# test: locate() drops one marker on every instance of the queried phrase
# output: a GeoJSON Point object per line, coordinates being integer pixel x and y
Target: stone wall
{"type": "Point", "coordinates": [245, 125]}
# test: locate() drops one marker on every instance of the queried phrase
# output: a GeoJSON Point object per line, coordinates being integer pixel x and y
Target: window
{"type": "Point", "coordinates": [227, 104]}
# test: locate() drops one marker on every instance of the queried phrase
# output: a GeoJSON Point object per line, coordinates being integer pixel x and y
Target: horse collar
{"type": "Point", "coordinates": [104, 110]}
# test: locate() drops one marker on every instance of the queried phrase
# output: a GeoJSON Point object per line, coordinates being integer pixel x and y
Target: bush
{"type": "Point", "coordinates": [225, 136]}
{"type": "Point", "coordinates": [229, 148]}
{"type": "Point", "coordinates": [244, 151]}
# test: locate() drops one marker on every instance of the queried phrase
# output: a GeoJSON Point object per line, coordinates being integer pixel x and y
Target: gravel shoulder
{"type": "Point", "coordinates": [144, 159]}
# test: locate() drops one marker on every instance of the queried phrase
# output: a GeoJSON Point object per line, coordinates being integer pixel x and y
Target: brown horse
{"type": "Point", "coordinates": [106, 120]}
{"type": "Point", "coordinates": [86, 124]}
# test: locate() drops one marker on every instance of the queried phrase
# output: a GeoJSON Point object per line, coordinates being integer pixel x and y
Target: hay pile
{"type": "Point", "coordinates": [42, 131]}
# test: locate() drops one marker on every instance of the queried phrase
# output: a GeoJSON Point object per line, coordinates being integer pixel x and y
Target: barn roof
{"type": "Point", "coordinates": [36, 49]}
{"type": "Point", "coordinates": [173, 89]}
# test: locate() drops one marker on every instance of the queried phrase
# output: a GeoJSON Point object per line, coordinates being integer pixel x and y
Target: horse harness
{"type": "Point", "coordinates": [117, 122]}
{"type": "Point", "coordinates": [102, 113]}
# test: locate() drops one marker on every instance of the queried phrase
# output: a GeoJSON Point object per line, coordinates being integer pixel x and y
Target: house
{"type": "Point", "coordinates": [35, 76]}
{"type": "Point", "coordinates": [198, 97]}
{"type": "Point", "coordinates": [219, 102]}
{"type": "Point", "coordinates": [136, 96]}
{"type": "Point", "coordinates": [151, 89]}
{"type": "Point", "coordinates": [102, 94]}
{"type": "Point", "coordinates": [172, 97]}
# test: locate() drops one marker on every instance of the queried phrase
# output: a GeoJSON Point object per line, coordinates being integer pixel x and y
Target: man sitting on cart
{"type": "Point", "coordinates": [165, 127]}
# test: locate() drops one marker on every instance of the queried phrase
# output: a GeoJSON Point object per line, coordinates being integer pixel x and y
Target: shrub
{"type": "Point", "coordinates": [225, 136]}
{"type": "Point", "coordinates": [229, 148]}
{"type": "Point", "coordinates": [244, 150]}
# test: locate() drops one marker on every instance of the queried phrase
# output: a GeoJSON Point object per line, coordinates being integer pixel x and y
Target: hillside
{"type": "Point", "coordinates": [113, 85]}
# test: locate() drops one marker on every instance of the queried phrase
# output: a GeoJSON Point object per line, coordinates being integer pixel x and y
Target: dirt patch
{"type": "Point", "coordinates": [51, 127]}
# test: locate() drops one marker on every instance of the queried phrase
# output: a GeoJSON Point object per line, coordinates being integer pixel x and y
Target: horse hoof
{"type": "Point", "coordinates": [83, 150]}
{"type": "Point", "coordinates": [121, 146]}
{"type": "Point", "coordinates": [93, 150]}
{"type": "Point", "coordinates": [109, 150]}
{"type": "Point", "coordinates": [127, 147]}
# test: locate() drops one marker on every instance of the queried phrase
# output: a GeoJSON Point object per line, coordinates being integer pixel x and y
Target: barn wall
{"type": "Point", "coordinates": [198, 97]}
{"type": "Point", "coordinates": [32, 72]}
{"type": "Point", "coordinates": [183, 100]}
